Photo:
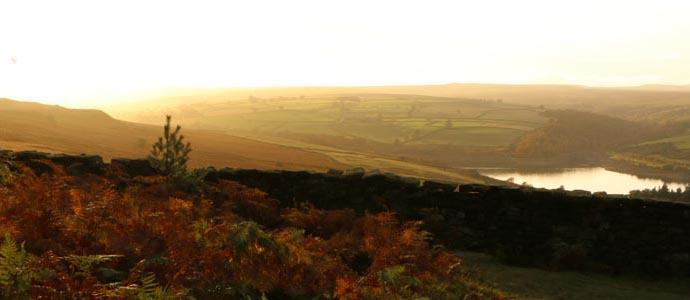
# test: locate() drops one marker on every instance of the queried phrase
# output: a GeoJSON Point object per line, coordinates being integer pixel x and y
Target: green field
{"type": "Point", "coordinates": [432, 136]}
{"type": "Point", "coordinates": [681, 142]}
{"type": "Point", "coordinates": [376, 118]}
{"type": "Point", "coordinates": [530, 283]}
{"type": "Point", "coordinates": [392, 133]}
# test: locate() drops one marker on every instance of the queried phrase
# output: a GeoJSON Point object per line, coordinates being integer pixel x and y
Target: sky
{"type": "Point", "coordinates": [91, 53]}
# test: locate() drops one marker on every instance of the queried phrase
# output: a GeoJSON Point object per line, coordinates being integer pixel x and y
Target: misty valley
{"type": "Point", "coordinates": [493, 177]}
{"type": "Point", "coordinates": [345, 150]}
{"type": "Point", "coordinates": [453, 132]}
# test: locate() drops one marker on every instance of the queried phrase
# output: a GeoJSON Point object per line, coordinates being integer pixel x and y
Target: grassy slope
{"type": "Point", "coordinates": [681, 141]}
{"type": "Point", "coordinates": [530, 283]}
{"type": "Point", "coordinates": [384, 164]}
{"type": "Point", "coordinates": [670, 153]}
{"type": "Point", "coordinates": [29, 126]}
{"type": "Point", "coordinates": [575, 131]}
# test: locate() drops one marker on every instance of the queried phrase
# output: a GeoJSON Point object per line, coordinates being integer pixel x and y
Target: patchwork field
{"type": "Point", "coordinates": [403, 119]}
{"type": "Point", "coordinates": [408, 134]}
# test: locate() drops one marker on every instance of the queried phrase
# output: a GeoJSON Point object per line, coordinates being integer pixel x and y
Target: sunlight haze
{"type": "Point", "coordinates": [95, 53]}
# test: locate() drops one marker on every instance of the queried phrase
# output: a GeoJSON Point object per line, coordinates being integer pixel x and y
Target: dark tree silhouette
{"type": "Point", "coordinates": [170, 153]}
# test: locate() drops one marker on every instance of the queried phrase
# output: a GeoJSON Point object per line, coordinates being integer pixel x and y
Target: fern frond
{"type": "Point", "coordinates": [84, 263]}
{"type": "Point", "coordinates": [148, 287]}
{"type": "Point", "coordinates": [16, 274]}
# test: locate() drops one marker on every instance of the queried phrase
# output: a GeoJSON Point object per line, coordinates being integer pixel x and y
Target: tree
{"type": "Point", "coordinates": [170, 153]}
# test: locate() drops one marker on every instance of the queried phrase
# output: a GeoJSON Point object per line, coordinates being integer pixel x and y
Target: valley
{"type": "Point", "coordinates": [444, 132]}
{"type": "Point", "coordinates": [456, 127]}
{"type": "Point", "coordinates": [345, 150]}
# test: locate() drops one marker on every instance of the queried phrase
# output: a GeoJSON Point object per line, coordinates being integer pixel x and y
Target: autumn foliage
{"type": "Point", "coordinates": [114, 236]}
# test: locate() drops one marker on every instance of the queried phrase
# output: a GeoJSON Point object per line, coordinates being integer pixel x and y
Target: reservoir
{"type": "Point", "coordinates": [589, 179]}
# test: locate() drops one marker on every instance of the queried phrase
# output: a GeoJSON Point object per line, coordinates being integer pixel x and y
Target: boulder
{"type": "Point", "coordinates": [79, 164]}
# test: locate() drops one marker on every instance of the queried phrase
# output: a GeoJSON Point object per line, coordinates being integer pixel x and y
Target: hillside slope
{"type": "Point", "coordinates": [26, 125]}
{"type": "Point", "coordinates": [571, 132]}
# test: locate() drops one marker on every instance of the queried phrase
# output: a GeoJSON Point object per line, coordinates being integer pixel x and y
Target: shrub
{"type": "Point", "coordinates": [6, 176]}
{"type": "Point", "coordinates": [16, 274]}
{"type": "Point", "coordinates": [189, 181]}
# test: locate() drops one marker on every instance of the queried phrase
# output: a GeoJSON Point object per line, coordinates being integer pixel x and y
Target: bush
{"type": "Point", "coordinates": [101, 242]}
{"type": "Point", "coordinates": [189, 181]}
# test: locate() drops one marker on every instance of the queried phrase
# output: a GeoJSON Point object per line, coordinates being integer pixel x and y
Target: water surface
{"type": "Point", "coordinates": [588, 179]}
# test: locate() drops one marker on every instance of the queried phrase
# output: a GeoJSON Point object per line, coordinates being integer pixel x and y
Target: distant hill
{"type": "Point", "coordinates": [663, 87]}
{"type": "Point", "coordinates": [33, 126]}
{"type": "Point", "coordinates": [622, 102]}
{"type": "Point", "coordinates": [571, 131]}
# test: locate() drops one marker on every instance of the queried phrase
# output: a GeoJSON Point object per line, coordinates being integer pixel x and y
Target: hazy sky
{"type": "Point", "coordinates": [85, 53]}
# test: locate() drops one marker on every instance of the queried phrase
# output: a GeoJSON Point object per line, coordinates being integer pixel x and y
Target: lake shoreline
{"type": "Point", "coordinates": [646, 172]}
{"type": "Point", "coordinates": [592, 179]}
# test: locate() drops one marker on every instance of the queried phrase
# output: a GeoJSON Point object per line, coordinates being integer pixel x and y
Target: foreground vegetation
{"type": "Point", "coordinates": [128, 228]}
{"type": "Point", "coordinates": [89, 231]}
{"type": "Point", "coordinates": [553, 230]}
{"type": "Point", "coordinates": [71, 233]}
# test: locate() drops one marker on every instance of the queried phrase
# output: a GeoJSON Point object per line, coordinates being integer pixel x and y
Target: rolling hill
{"type": "Point", "coordinates": [452, 125]}
{"type": "Point", "coordinates": [571, 131]}
{"type": "Point", "coordinates": [33, 126]}
{"type": "Point", "coordinates": [441, 131]}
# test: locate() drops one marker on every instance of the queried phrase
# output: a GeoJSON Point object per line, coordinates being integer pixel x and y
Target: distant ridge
{"type": "Point", "coordinates": [563, 96]}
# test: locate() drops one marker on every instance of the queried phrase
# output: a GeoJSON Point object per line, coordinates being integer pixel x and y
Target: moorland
{"type": "Point", "coordinates": [347, 194]}
{"type": "Point", "coordinates": [77, 227]}
{"type": "Point", "coordinates": [437, 131]}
